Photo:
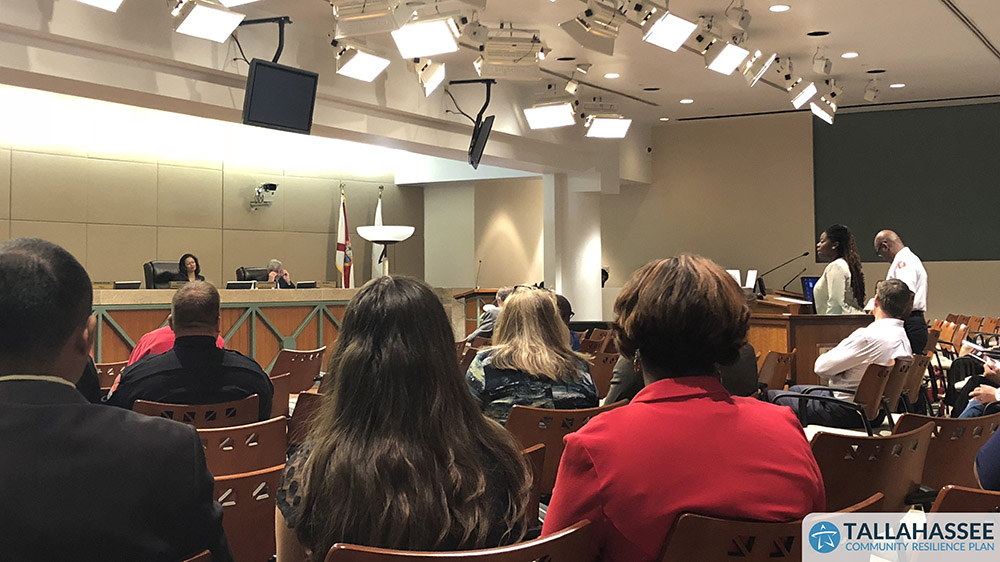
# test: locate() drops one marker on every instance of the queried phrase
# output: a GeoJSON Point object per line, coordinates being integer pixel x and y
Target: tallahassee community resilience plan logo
{"type": "Point", "coordinates": [901, 537]}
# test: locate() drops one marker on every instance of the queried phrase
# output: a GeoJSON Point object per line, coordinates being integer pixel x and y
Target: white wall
{"type": "Point", "coordinates": [449, 242]}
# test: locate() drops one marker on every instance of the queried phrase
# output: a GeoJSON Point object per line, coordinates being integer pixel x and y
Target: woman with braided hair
{"type": "Point", "coordinates": [841, 289]}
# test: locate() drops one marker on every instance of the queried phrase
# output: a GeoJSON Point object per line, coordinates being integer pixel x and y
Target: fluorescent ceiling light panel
{"type": "Point", "coordinates": [824, 111]}
{"type": "Point", "coordinates": [431, 76]}
{"type": "Point", "coordinates": [365, 17]}
{"type": "Point", "coordinates": [804, 95]}
{"type": "Point", "coordinates": [205, 20]}
{"type": "Point", "coordinates": [755, 68]}
{"type": "Point", "coordinates": [726, 60]}
{"type": "Point", "coordinates": [670, 32]}
{"type": "Point", "coordinates": [608, 127]}
{"type": "Point", "coordinates": [361, 65]}
{"type": "Point", "coordinates": [109, 5]}
{"type": "Point", "coordinates": [426, 38]}
{"type": "Point", "coordinates": [596, 28]}
{"type": "Point", "coordinates": [549, 116]}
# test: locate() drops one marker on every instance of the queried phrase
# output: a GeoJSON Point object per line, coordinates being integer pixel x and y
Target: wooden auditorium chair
{"type": "Point", "coordinates": [898, 377]}
{"type": "Point", "coordinates": [282, 391]}
{"type": "Point", "coordinates": [248, 505]}
{"type": "Point", "coordinates": [535, 456]}
{"type": "Point", "coordinates": [304, 366]}
{"type": "Point", "coordinates": [951, 456]}
{"type": "Point", "coordinates": [204, 556]}
{"type": "Point", "coordinates": [959, 499]}
{"type": "Point", "coordinates": [300, 421]}
{"type": "Point", "coordinates": [223, 414]}
{"type": "Point", "coordinates": [866, 402]}
{"type": "Point", "coordinates": [245, 448]}
{"type": "Point", "coordinates": [776, 370]}
{"type": "Point", "coordinates": [107, 373]}
{"type": "Point", "coordinates": [601, 371]}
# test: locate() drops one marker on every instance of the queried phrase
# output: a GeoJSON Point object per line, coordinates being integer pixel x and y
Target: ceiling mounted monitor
{"type": "Point", "coordinates": [279, 97]}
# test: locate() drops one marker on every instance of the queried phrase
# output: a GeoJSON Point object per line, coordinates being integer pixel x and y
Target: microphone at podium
{"type": "Point", "coordinates": [759, 286]}
{"type": "Point", "coordinates": [785, 286]}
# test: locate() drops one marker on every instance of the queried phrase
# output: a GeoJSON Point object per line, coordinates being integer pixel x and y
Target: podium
{"type": "Point", "coordinates": [810, 334]}
{"type": "Point", "coordinates": [474, 300]}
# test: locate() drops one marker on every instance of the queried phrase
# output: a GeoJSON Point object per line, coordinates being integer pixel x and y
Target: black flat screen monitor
{"type": "Point", "coordinates": [279, 97]}
{"type": "Point", "coordinates": [241, 284]}
{"type": "Point", "coordinates": [808, 284]}
{"type": "Point", "coordinates": [305, 285]}
{"type": "Point", "coordinates": [479, 138]}
{"type": "Point", "coordinates": [128, 284]}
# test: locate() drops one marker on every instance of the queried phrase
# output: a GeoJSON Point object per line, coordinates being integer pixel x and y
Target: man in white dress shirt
{"type": "Point", "coordinates": [908, 268]}
{"type": "Point", "coordinates": [843, 366]}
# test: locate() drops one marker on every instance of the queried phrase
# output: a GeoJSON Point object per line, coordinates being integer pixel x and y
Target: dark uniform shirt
{"type": "Point", "coordinates": [195, 371]}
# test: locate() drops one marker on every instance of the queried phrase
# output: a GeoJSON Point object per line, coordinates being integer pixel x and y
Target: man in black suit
{"type": "Point", "coordinates": [81, 481]}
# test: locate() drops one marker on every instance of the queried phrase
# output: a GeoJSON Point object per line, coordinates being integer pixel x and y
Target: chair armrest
{"type": "Point", "coordinates": [803, 398]}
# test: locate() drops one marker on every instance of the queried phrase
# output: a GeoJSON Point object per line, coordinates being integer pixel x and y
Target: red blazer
{"type": "Point", "coordinates": [682, 445]}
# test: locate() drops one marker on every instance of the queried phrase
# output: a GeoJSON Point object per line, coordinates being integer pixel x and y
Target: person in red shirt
{"type": "Point", "coordinates": [684, 444]}
{"type": "Point", "coordinates": [160, 340]}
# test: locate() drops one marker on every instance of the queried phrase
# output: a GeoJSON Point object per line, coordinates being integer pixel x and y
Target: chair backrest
{"type": "Point", "coordinates": [159, 274]}
{"type": "Point", "coordinates": [776, 369]}
{"type": "Point", "coordinates": [582, 335]}
{"type": "Point", "coordinates": [933, 336]}
{"type": "Point", "coordinates": [598, 334]}
{"type": "Point", "coordinates": [479, 342]}
{"type": "Point", "coordinates": [304, 366]}
{"type": "Point", "coordinates": [916, 377]}
{"type": "Point", "coordinates": [108, 372]}
{"type": "Point", "coordinates": [954, 444]}
{"type": "Point", "coordinates": [990, 325]}
{"type": "Point", "coordinates": [975, 323]}
{"type": "Point", "coordinates": [711, 539]}
{"type": "Point", "coordinates": [248, 512]}
{"type": "Point", "coordinates": [282, 390]}
{"type": "Point", "coordinates": [465, 361]}
{"type": "Point", "coordinates": [602, 370]}
{"type": "Point", "coordinates": [871, 389]}
{"type": "Point", "coordinates": [204, 556]}
{"type": "Point", "coordinates": [855, 467]}
{"type": "Point", "coordinates": [301, 420]}
{"type": "Point", "coordinates": [591, 346]}
{"type": "Point", "coordinates": [542, 425]}
{"type": "Point", "coordinates": [251, 273]}
{"type": "Point", "coordinates": [245, 448]}
{"type": "Point", "coordinates": [951, 318]}
{"type": "Point", "coordinates": [936, 324]}
{"type": "Point", "coordinates": [962, 319]}
{"type": "Point", "coordinates": [959, 499]}
{"type": "Point", "coordinates": [947, 332]}
{"type": "Point", "coordinates": [224, 414]}
{"type": "Point", "coordinates": [960, 332]}
{"type": "Point", "coordinates": [535, 457]}
{"type": "Point", "coordinates": [896, 381]}
{"type": "Point", "coordinates": [569, 545]}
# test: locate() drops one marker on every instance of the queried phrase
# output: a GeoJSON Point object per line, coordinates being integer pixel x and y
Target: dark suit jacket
{"type": "Point", "coordinates": [86, 482]}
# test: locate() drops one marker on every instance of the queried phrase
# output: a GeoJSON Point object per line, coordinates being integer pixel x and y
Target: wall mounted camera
{"type": "Point", "coordinates": [263, 196]}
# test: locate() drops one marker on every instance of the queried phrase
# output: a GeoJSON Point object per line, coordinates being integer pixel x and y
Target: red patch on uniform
{"type": "Point", "coordinates": [902, 264]}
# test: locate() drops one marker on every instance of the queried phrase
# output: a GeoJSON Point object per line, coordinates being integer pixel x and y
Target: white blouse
{"type": "Point", "coordinates": [833, 294]}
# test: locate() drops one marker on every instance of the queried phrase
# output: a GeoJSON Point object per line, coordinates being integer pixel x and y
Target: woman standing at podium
{"type": "Point", "coordinates": [841, 289]}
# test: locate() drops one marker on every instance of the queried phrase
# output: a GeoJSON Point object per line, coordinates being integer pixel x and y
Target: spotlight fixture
{"type": "Point", "coordinates": [109, 5]}
{"type": "Point", "coordinates": [583, 68]}
{"type": "Point", "coordinates": [426, 38]}
{"type": "Point", "coordinates": [596, 28]}
{"type": "Point", "coordinates": [824, 109]}
{"type": "Point", "coordinates": [607, 126]}
{"type": "Point", "coordinates": [802, 92]}
{"type": "Point", "coordinates": [365, 17]}
{"type": "Point", "coordinates": [871, 91]}
{"type": "Point", "coordinates": [669, 32]}
{"type": "Point", "coordinates": [822, 65]}
{"type": "Point", "coordinates": [738, 16]}
{"type": "Point", "coordinates": [430, 75]}
{"type": "Point", "coordinates": [756, 66]}
{"type": "Point", "coordinates": [360, 65]}
{"type": "Point", "coordinates": [783, 68]}
{"type": "Point", "coordinates": [831, 91]}
{"type": "Point", "coordinates": [514, 58]}
{"type": "Point", "coordinates": [572, 86]}
{"type": "Point", "coordinates": [550, 115]}
{"type": "Point", "coordinates": [205, 19]}
{"type": "Point", "coordinates": [724, 56]}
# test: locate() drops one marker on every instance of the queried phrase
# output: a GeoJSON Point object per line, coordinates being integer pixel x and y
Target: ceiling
{"type": "Point", "coordinates": [920, 43]}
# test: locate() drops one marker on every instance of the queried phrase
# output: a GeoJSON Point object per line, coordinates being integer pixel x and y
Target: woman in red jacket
{"type": "Point", "coordinates": [683, 445]}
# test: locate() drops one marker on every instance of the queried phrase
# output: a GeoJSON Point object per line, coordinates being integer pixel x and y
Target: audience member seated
{"type": "Point", "coordinates": [566, 313]}
{"type": "Point", "coordinates": [984, 390]}
{"type": "Point", "coordinates": [988, 464]}
{"type": "Point", "coordinates": [82, 481]}
{"type": "Point", "coordinates": [195, 371]}
{"type": "Point", "coordinates": [843, 366]}
{"type": "Point", "coordinates": [531, 362]}
{"type": "Point", "coordinates": [978, 375]}
{"type": "Point", "coordinates": [188, 269]}
{"type": "Point", "coordinates": [488, 319]}
{"type": "Point", "coordinates": [399, 455]}
{"type": "Point", "coordinates": [160, 340]}
{"type": "Point", "coordinates": [684, 444]}
{"type": "Point", "coordinates": [277, 274]}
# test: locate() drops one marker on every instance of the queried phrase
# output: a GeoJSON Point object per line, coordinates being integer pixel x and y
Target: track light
{"type": "Point", "coordinates": [550, 115]}
{"type": "Point", "coordinates": [430, 75]}
{"type": "Point", "coordinates": [824, 109]}
{"type": "Point", "coordinates": [513, 58]}
{"type": "Point", "coordinates": [572, 86]}
{"type": "Point", "coordinates": [360, 65]}
{"type": "Point", "coordinates": [609, 126]}
{"type": "Point", "coordinates": [205, 19]}
{"type": "Point", "coordinates": [783, 68]}
{"type": "Point", "coordinates": [596, 28]}
{"type": "Point", "coordinates": [756, 66]}
{"type": "Point", "coordinates": [109, 5]}
{"type": "Point", "coordinates": [669, 32]}
{"type": "Point", "coordinates": [822, 65]}
{"type": "Point", "coordinates": [427, 38]}
{"type": "Point", "coordinates": [802, 92]}
{"type": "Point", "coordinates": [871, 91]}
{"type": "Point", "coordinates": [738, 16]}
{"type": "Point", "coordinates": [365, 17]}
{"type": "Point", "coordinates": [724, 56]}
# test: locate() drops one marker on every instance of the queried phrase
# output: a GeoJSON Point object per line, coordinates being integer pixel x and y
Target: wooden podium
{"type": "Point", "coordinates": [475, 299]}
{"type": "Point", "coordinates": [808, 333]}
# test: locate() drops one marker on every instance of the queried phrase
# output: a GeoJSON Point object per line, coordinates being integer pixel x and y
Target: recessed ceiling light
{"type": "Point", "coordinates": [849, 55]}
{"type": "Point", "coordinates": [898, 85]}
{"type": "Point", "coordinates": [664, 119]}
{"type": "Point", "coordinates": [686, 101]}
{"type": "Point", "coordinates": [818, 33]}
{"type": "Point", "coordinates": [876, 71]}
{"type": "Point", "coordinates": [612, 75]}
{"type": "Point", "coordinates": [778, 8]}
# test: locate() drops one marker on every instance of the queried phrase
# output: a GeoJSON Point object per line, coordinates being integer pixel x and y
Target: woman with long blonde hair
{"type": "Point", "coordinates": [531, 362]}
{"type": "Point", "coordinates": [399, 456]}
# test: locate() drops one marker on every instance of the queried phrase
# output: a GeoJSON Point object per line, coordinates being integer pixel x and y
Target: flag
{"type": "Point", "coordinates": [377, 249]}
{"type": "Point", "coordinates": [345, 258]}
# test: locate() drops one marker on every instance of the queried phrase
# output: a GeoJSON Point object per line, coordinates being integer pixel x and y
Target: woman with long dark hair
{"type": "Point", "coordinates": [188, 269]}
{"type": "Point", "coordinates": [399, 455]}
{"type": "Point", "coordinates": [841, 289]}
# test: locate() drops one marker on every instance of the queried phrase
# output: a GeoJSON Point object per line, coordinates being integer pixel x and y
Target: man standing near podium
{"type": "Point", "coordinates": [908, 268]}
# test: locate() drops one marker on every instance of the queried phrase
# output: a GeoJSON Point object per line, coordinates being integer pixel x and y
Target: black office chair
{"type": "Point", "coordinates": [159, 274]}
{"type": "Point", "coordinates": [251, 273]}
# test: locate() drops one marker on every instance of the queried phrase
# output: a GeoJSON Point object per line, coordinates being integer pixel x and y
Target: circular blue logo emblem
{"type": "Point", "coordinates": [824, 537]}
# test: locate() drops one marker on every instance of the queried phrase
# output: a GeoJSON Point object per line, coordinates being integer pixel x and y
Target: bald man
{"type": "Point", "coordinates": [908, 268]}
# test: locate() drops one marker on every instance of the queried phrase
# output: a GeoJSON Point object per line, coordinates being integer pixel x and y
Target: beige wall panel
{"type": "Point", "coordinates": [449, 245]}
{"type": "Point", "coordinates": [189, 197]}
{"type": "Point", "coordinates": [310, 253]}
{"type": "Point", "coordinates": [172, 243]}
{"type": "Point", "coordinates": [4, 230]}
{"type": "Point", "coordinates": [116, 253]}
{"type": "Point", "coordinates": [47, 187]}
{"type": "Point", "coordinates": [238, 189]}
{"type": "Point", "coordinates": [403, 206]}
{"type": "Point", "coordinates": [72, 236]}
{"type": "Point", "coordinates": [310, 204]}
{"type": "Point", "coordinates": [4, 184]}
{"type": "Point", "coordinates": [121, 192]}
{"type": "Point", "coordinates": [304, 255]}
{"type": "Point", "coordinates": [508, 231]}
